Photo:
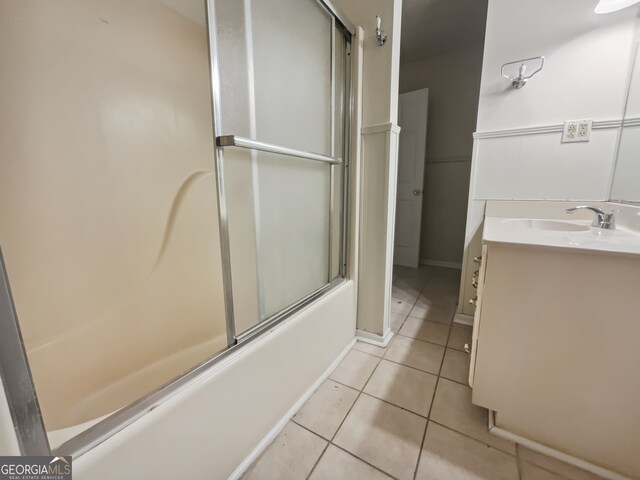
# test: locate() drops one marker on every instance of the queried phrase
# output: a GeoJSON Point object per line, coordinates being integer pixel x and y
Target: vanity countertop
{"type": "Point", "coordinates": [556, 233]}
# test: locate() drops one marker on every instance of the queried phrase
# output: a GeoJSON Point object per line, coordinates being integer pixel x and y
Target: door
{"type": "Point", "coordinates": [412, 118]}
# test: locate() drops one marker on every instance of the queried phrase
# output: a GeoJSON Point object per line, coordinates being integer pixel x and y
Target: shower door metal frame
{"type": "Point", "coordinates": [225, 141]}
{"type": "Point", "coordinates": [15, 373]}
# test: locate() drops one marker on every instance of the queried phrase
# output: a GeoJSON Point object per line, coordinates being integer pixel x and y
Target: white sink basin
{"type": "Point", "coordinates": [552, 225]}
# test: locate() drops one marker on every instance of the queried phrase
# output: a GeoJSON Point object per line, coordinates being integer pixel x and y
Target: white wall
{"type": "Point", "coordinates": [381, 68]}
{"type": "Point", "coordinates": [453, 80]}
{"type": "Point", "coordinates": [517, 149]}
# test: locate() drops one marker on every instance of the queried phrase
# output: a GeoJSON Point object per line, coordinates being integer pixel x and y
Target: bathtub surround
{"type": "Point", "coordinates": [517, 151]}
{"type": "Point", "coordinates": [107, 204]}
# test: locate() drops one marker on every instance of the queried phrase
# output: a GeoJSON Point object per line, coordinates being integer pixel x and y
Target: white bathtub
{"type": "Point", "coordinates": [131, 387]}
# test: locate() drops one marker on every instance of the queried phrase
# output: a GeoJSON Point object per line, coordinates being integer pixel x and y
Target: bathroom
{"type": "Point", "coordinates": [198, 225]}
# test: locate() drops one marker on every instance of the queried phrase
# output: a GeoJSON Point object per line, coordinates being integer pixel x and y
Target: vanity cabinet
{"type": "Point", "coordinates": [555, 350]}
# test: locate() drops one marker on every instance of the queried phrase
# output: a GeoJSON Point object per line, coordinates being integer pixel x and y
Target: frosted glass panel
{"type": "Point", "coordinates": [108, 214]}
{"type": "Point", "coordinates": [292, 71]}
{"type": "Point", "coordinates": [294, 228]}
{"type": "Point", "coordinates": [282, 76]}
{"type": "Point", "coordinates": [275, 71]}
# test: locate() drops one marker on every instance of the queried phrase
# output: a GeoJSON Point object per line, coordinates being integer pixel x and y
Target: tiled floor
{"type": "Point", "coordinates": [404, 411]}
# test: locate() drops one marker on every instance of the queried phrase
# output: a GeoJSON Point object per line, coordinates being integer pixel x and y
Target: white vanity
{"type": "Point", "coordinates": [556, 335]}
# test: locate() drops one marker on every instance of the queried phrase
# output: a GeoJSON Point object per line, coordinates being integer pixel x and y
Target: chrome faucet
{"type": "Point", "coordinates": [602, 220]}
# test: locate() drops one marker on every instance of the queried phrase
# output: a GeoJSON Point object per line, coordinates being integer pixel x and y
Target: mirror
{"type": "Point", "coordinates": [625, 187]}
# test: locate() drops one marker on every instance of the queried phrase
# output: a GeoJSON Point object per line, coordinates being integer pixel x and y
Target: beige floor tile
{"type": "Point", "coordinates": [415, 283]}
{"type": "Point", "coordinates": [432, 296]}
{"type": "Point", "coordinates": [400, 306]}
{"type": "Point", "coordinates": [456, 366]}
{"type": "Point", "coordinates": [531, 472]}
{"type": "Point", "coordinates": [396, 320]}
{"type": "Point", "coordinates": [442, 313]}
{"type": "Point", "coordinates": [448, 455]}
{"type": "Point", "coordinates": [406, 294]}
{"type": "Point", "coordinates": [369, 348]}
{"type": "Point", "coordinates": [425, 330]}
{"type": "Point", "coordinates": [337, 464]}
{"type": "Point", "coordinates": [409, 273]}
{"type": "Point", "coordinates": [551, 464]}
{"type": "Point", "coordinates": [383, 435]}
{"type": "Point", "coordinates": [326, 408]}
{"type": "Point", "coordinates": [403, 386]}
{"type": "Point", "coordinates": [459, 336]}
{"type": "Point", "coordinates": [452, 407]}
{"type": "Point", "coordinates": [292, 455]}
{"type": "Point", "coordinates": [355, 369]}
{"type": "Point", "coordinates": [415, 353]}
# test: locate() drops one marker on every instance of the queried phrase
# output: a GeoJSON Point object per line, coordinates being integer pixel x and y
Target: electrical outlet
{"type": "Point", "coordinates": [577, 131]}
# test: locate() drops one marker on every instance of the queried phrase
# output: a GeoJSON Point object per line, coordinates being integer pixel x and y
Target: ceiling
{"type": "Point", "coordinates": [434, 27]}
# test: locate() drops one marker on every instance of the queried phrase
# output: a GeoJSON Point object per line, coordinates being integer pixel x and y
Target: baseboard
{"type": "Point", "coordinates": [463, 319]}
{"type": "Point", "coordinates": [374, 338]}
{"type": "Point", "coordinates": [438, 263]}
{"type": "Point", "coordinates": [551, 452]}
{"type": "Point", "coordinates": [273, 433]}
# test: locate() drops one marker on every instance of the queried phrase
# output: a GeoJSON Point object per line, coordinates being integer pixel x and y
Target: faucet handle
{"type": "Point", "coordinates": [602, 220]}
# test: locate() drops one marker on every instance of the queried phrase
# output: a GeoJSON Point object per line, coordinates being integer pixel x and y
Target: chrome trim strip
{"type": "Point", "coordinates": [235, 141]}
{"type": "Point", "coordinates": [16, 377]}
{"type": "Point", "coordinates": [225, 244]}
{"type": "Point", "coordinates": [346, 144]}
{"type": "Point", "coordinates": [111, 425]}
{"type": "Point", "coordinates": [255, 184]}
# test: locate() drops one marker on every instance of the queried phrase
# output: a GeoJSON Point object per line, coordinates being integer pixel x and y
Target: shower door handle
{"type": "Point", "coordinates": [235, 141]}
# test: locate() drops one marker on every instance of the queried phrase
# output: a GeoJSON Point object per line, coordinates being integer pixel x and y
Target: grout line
{"type": "Point", "coordinates": [309, 430]}
{"type": "Point", "coordinates": [473, 438]}
{"type": "Point", "coordinates": [408, 313]}
{"type": "Point", "coordinates": [395, 405]}
{"type": "Point", "coordinates": [345, 418]}
{"type": "Point", "coordinates": [409, 366]}
{"type": "Point", "coordinates": [518, 462]}
{"type": "Point", "coordinates": [319, 458]}
{"type": "Point", "coordinates": [362, 460]}
{"type": "Point", "coordinates": [354, 402]}
{"type": "Point", "coordinates": [425, 341]}
{"type": "Point", "coordinates": [433, 398]}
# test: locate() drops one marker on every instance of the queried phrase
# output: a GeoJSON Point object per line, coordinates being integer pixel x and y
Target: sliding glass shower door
{"type": "Point", "coordinates": [172, 183]}
{"type": "Point", "coordinates": [281, 151]}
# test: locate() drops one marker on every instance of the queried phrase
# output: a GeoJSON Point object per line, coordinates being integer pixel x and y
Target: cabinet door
{"type": "Point", "coordinates": [478, 312]}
